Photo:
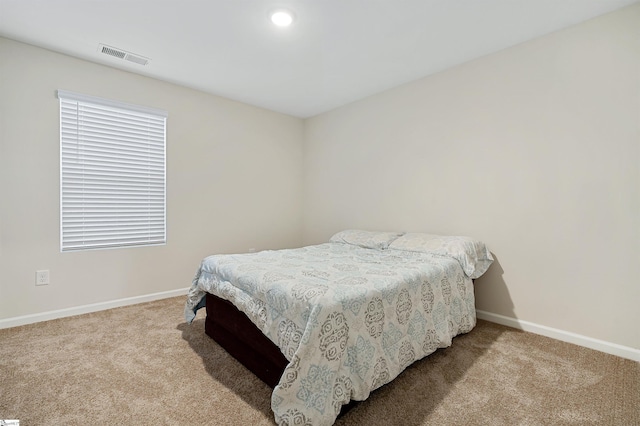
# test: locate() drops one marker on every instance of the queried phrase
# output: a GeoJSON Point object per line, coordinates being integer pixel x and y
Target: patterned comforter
{"type": "Point", "coordinates": [349, 319]}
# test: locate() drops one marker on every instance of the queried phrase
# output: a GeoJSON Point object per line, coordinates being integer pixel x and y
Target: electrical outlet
{"type": "Point", "coordinates": [42, 277]}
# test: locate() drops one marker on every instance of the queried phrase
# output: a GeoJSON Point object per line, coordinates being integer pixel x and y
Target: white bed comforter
{"type": "Point", "coordinates": [349, 319]}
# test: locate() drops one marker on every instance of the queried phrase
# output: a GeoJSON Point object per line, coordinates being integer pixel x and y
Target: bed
{"type": "Point", "coordinates": [329, 323]}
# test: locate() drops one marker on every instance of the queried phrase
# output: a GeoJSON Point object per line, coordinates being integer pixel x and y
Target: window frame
{"type": "Point", "coordinates": [116, 151]}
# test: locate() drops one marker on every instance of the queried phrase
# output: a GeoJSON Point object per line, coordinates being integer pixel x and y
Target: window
{"type": "Point", "coordinates": [112, 173]}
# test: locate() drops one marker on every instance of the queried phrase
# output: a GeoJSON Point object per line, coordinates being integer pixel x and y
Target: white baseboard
{"type": "Point", "coordinates": [85, 309]}
{"type": "Point", "coordinates": [565, 336]}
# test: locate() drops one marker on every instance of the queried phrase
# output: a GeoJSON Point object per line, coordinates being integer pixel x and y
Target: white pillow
{"type": "Point", "coordinates": [474, 257]}
{"type": "Point", "coordinates": [366, 239]}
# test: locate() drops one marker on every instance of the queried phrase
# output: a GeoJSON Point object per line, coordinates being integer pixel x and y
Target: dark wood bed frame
{"type": "Point", "coordinates": [233, 330]}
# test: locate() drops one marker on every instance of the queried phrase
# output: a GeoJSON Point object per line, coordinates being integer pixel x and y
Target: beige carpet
{"type": "Point", "coordinates": [142, 365]}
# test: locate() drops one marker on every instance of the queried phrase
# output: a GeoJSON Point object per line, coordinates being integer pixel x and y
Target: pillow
{"type": "Point", "coordinates": [366, 239]}
{"type": "Point", "coordinates": [474, 257]}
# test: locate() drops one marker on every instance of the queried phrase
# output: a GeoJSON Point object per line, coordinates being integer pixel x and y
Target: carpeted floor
{"type": "Point", "coordinates": [142, 365]}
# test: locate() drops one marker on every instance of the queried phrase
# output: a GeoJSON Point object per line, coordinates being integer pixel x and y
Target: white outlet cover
{"type": "Point", "coordinates": [42, 277]}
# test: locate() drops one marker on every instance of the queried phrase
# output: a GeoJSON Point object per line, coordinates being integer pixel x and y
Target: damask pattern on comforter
{"type": "Point", "coordinates": [349, 319]}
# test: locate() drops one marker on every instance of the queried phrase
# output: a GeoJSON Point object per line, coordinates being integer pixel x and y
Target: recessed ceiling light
{"type": "Point", "coordinates": [282, 17]}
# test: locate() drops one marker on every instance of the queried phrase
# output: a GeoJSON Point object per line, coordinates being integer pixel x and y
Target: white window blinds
{"type": "Point", "coordinates": [112, 173]}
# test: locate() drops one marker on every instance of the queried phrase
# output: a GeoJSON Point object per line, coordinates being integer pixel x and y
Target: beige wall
{"type": "Point", "coordinates": [534, 150]}
{"type": "Point", "coordinates": [234, 183]}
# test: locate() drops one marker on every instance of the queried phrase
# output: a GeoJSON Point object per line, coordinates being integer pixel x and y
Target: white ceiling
{"type": "Point", "coordinates": [337, 51]}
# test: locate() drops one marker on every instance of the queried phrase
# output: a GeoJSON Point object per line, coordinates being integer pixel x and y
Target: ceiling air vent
{"type": "Point", "coordinates": [123, 54]}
